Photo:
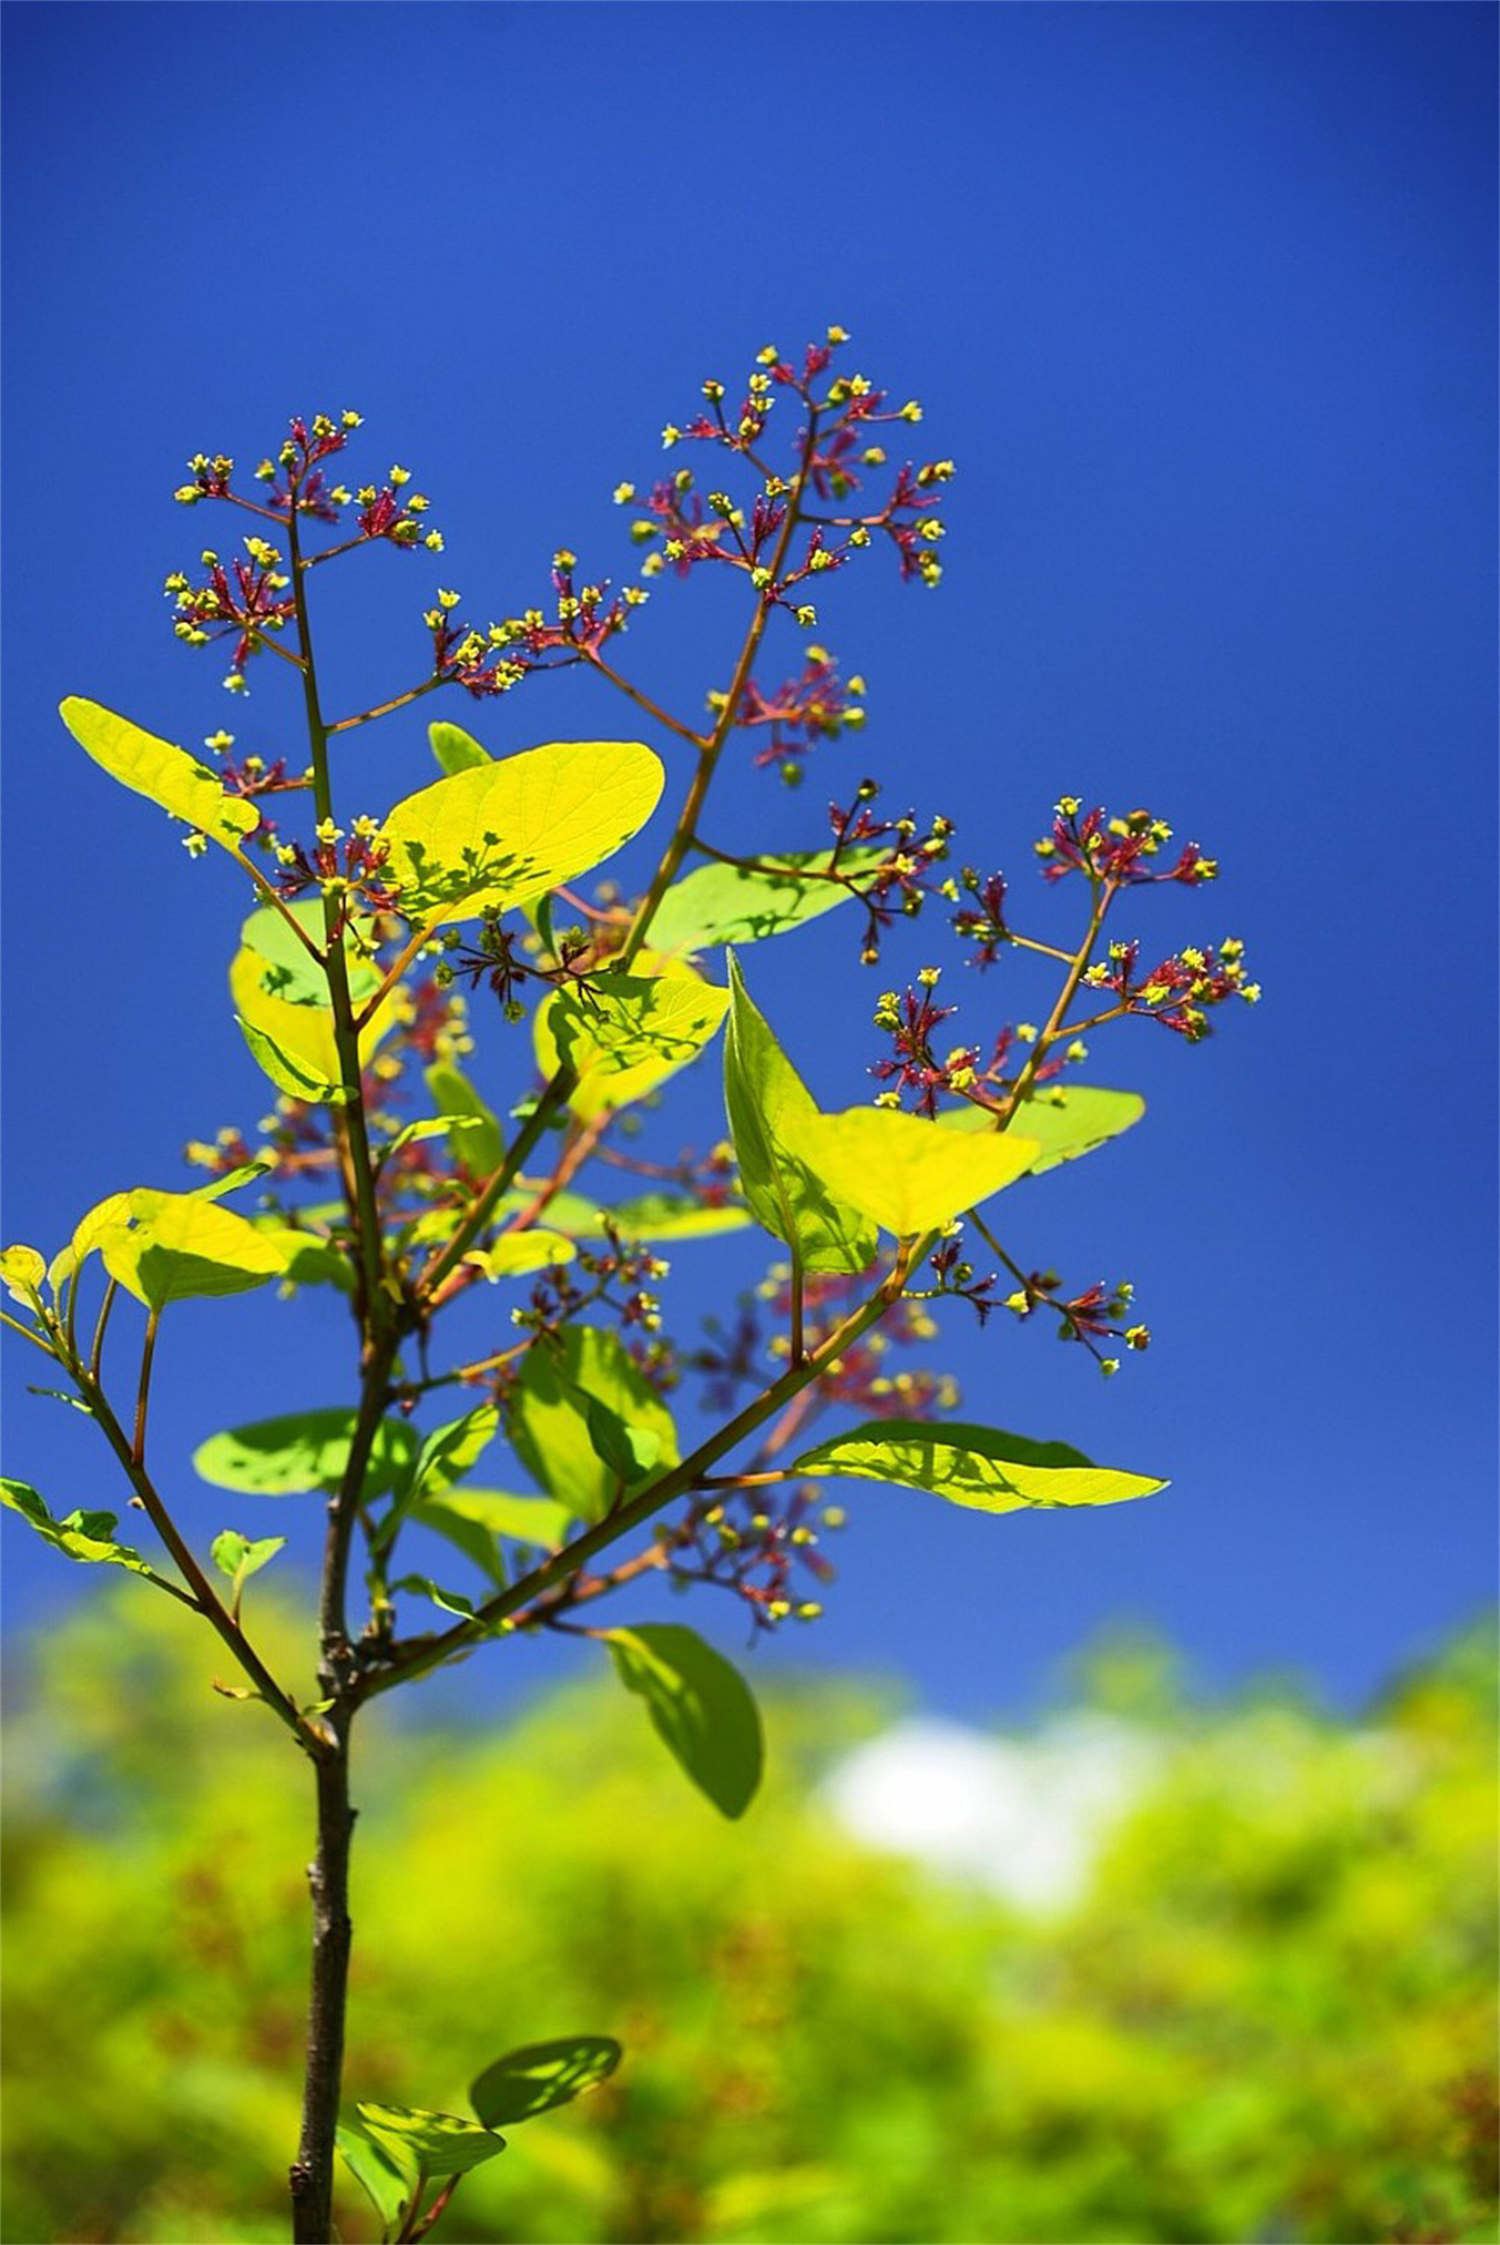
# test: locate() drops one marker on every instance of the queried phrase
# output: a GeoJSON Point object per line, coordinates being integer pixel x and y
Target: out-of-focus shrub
{"type": "Point", "coordinates": [1271, 2017]}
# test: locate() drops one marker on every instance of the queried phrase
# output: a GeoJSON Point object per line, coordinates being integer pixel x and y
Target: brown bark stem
{"type": "Point", "coordinates": [328, 1881]}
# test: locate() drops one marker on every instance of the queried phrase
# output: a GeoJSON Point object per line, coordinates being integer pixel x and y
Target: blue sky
{"type": "Point", "coordinates": [1202, 302]}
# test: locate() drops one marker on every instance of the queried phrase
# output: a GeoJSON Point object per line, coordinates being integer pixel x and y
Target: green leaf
{"type": "Point", "coordinates": [491, 836]}
{"type": "Point", "coordinates": [628, 1035]}
{"type": "Point", "coordinates": [700, 1705]}
{"type": "Point", "coordinates": [445, 1457]}
{"type": "Point", "coordinates": [481, 1149]}
{"type": "Point", "coordinates": [387, 2173]}
{"type": "Point", "coordinates": [456, 750]}
{"type": "Point", "coordinates": [631, 1453]}
{"type": "Point", "coordinates": [442, 2142]}
{"type": "Point", "coordinates": [549, 1428]}
{"type": "Point", "coordinates": [909, 1174]}
{"type": "Point", "coordinates": [539, 1522]}
{"type": "Point", "coordinates": [540, 2075]}
{"type": "Point", "coordinates": [304, 1450]}
{"type": "Point", "coordinates": [172, 1247]}
{"type": "Point", "coordinates": [649, 1217]}
{"type": "Point", "coordinates": [974, 1466]}
{"type": "Point", "coordinates": [22, 1270]}
{"type": "Point", "coordinates": [154, 768]}
{"type": "Point", "coordinates": [730, 904]}
{"type": "Point", "coordinates": [105, 1216]}
{"type": "Point", "coordinates": [450, 1601]}
{"type": "Point", "coordinates": [81, 1535]}
{"type": "Point", "coordinates": [1064, 1120]}
{"type": "Point", "coordinates": [765, 1098]}
{"type": "Point", "coordinates": [307, 1258]}
{"type": "Point", "coordinates": [239, 1558]}
{"type": "Point", "coordinates": [515, 1254]}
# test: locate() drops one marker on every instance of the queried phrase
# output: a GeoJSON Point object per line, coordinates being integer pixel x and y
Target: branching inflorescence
{"type": "Point", "coordinates": [379, 944]}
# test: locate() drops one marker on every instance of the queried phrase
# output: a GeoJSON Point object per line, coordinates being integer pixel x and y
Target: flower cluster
{"type": "Point", "coordinates": [818, 705]}
{"type": "Point", "coordinates": [752, 1542]}
{"type": "Point", "coordinates": [910, 1019]}
{"type": "Point", "coordinates": [835, 453]}
{"type": "Point", "coordinates": [249, 597]}
{"type": "Point", "coordinates": [1177, 992]}
{"type": "Point", "coordinates": [351, 866]}
{"type": "Point", "coordinates": [1116, 850]}
{"type": "Point", "coordinates": [896, 883]}
{"type": "Point", "coordinates": [1097, 1314]}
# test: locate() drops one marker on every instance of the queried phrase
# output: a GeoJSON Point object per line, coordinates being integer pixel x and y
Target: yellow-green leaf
{"type": "Point", "coordinates": [22, 1270]}
{"type": "Point", "coordinates": [517, 1254]}
{"type": "Point", "coordinates": [1066, 1120]}
{"type": "Point", "coordinates": [980, 1467]}
{"type": "Point", "coordinates": [170, 1246]}
{"type": "Point", "coordinates": [908, 1174]}
{"type": "Point", "coordinates": [156, 769]}
{"type": "Point", "coordinates": [629, 1035]}
{"type": "Point", "coordinates": [494, 834]}
{"type": "Point", "coordinates": [293, 1043]}
{"type": "Point", "coordinates": [549, 1428]}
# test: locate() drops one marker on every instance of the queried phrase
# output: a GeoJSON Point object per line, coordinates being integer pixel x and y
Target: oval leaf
{"type": "Point", "coordinates": [628, 1035]}
{"type": "Point", "coordinates": [22, 1270]}
{"type": "Point", "coordinates": [386, 2174]}
{"type": "Point", "coordinates": [975, 1466]}
{"type": "Point", "coordinates": [516, 1254]}
{"type": "Point", "coordinates": [493, 835]}
{"type": "Point", "coordinates": [171, 1247]}
{"type": "Point", "coordinates": [740, 904]}
{"type": "Point", "coordinates": [305, 1450]}
{"type": "Point", "coordinates": [456, 750]}
{"type": "Point", "coordinates": [1064, 1120]}
{"type": "Point", "coordinates": [765, 1097]}
{"type": "Point", "coordinates": [441, 2142]}
{"type": "Point", "coordinates": [154, 768]}
{"type": "Point", "coordinates": [290, 970]}
{"type": "Point", "coordinates": [700, 1705]}
{"type": "Point", "coordinates": [86, 1536]}
{"type": "Point", "coordinates": [540, 2075]}
{"type": "Point", "coordinates": [909, 1174]}
{"type": "Point", "coordinates": [480, 1149]}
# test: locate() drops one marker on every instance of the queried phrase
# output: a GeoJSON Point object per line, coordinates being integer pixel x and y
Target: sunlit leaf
{"type": "Point", "coordinates": [648, 1217]}
{"type": "Point", "coordinates": [628, 1034]}
{"type": "Point", "coordinates": [456, 750]}
{"type": "Point", "coordinates": [289, 971]}
{"type": "Point", "coordinates": [239, 1557]}
{"type": "Point", "coordinates": [765, 1098]}
{"type": "Point", "coordinates": [540, 2075]}
{"type": "Point", "coordinates": [975, 1466]}
{"type": "Point", "coordinates": [909, 1174]}
{"type": "Point", "coordinates": [441, 2141]}
{"type": "Point", "coordinates": [728, 904]}
{"type": "Point", "coordinates": [304, 1450]}
{"type": "Point", "coordinates": [492, 835]}
{"type": "Point", "coordinates": [1064, 1120]}
{"type": "Point", "coordinates": [307, 1259]}
{"type": "Point", "coordinates": [157, 770]}
{"type": "Point", "coordinates": [481, 1149]}
{"type": "Point", "coordinates": [515, 1254]}
{"type": "Point", "coordinates": [700, 1706]}
{"type": "Point", "coordinates": [549, 1428]}
{"type": "Point", "coordinates": [294, 1043]}
{"type": "Point", "coordinates": [540, 1522]}
{"type": "Point", "coordinates": [80, 1535]}
{"type": "Point", "coordinates": [22, 1270]}
{"type": "Point", "coordinates": [170, 1247]}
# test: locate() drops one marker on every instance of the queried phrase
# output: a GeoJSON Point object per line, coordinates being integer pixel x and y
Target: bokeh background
{"type": "Point", "coordinates": [1202, 301]}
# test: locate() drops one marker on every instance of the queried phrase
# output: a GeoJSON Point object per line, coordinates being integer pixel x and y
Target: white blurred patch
{"type": "Point", "coordinates": [1024, 1818]}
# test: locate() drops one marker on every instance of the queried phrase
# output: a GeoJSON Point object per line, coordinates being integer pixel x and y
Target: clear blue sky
{"type": "Point", "coordinates": [1202, 301]}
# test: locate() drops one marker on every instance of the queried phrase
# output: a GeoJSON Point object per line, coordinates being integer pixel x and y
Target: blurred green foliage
{"type": "Point", "coordinates": [1271, 2018]}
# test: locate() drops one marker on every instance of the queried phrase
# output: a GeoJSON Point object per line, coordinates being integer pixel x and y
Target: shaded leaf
{"type": "Point", "coordinates": [975, 1466]}
{"type": "Point", "coordinates": [549, 1416]}
{"type": "Point", "coordinates": [728, 904]}
{"type": "Point", "coordinates": [629, 1452]}
{"type": "Point", "coordinates": [288, 971]}
{"type": "Point", "coordinates": [495, 834]}
{"type": "Point", "coordinates": [304, 1450]}
{"type": "Point", "coordinates": [456, 750]}
{"type": "Point", "coordinates": [907, 1173]}
{"type": "Point", "coordinates": [540, 2075]}
{"type": "Point", "coordinates": [701, 1707]}
{"type": "Point", "coordinates": [765, 1098]}
{"type": "Point", "coordinates": [482, 1148]}
{"type": "Point", "coordinates": [442, 2142]}
{"type": "Point", "coordinates": [156, 769]}
{"type": "Point", "coordinates": [387, 2173]}
{"type": "Point", "coordinates": [293, 1043]}
{"type": "Point", "coordinates": [446, 1455]}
